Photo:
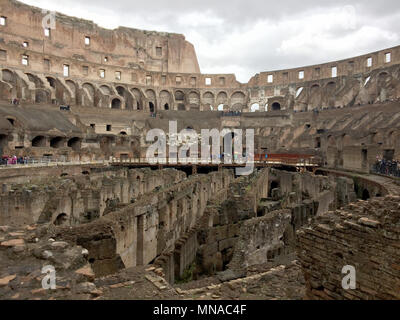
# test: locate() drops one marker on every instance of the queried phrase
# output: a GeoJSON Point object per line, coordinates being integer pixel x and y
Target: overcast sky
{"type": "Point", "coordinates": [248, 36]}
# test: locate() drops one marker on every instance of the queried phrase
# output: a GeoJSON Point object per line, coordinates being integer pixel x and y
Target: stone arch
{"type": "Point", "coordinates": [165, 100]}
{"type": "Point", "coordinates": [116, 103]}
{"type": "Point", "coordinates": [208, 98]}
{"type": "Point", "coordinates": [347, 141]}
{"type": "Point", "coordinates": [72, 85]}
{"type": "Point", "coordinates": [276, 106]}
{"type": "Point", "coordinates": [57, 142]}
{"type": "Point", "coordinates": [42, 96]}
{"type": "Point", "coordinates": [51, 81]}
{"type": "Point", "coordinates": [384, 85]}
{"type": "Point", "coordinates": [151, 97]}
{"type": "Point", "coordinates": [238, 97]}
{"type": "Point", "coordinates": [61, 220]}
{"type": "Point", "coordinates": [331, 141]}
{"type": "Point", "coordinates": [383, 74]}
{"type": "Point", "coordinates": [365, 195]}
{"type": "Point", "coordinates": [105, 90]}
{"type": "Point", "coordinates": [330, 87]}
{"type": "Point", "coordinates": [120, 90]}
{"type": "Point", "coordinates": [75, 143]}
{"type": "Point", "coordinates": [126, 96]}
{"type": "Point", "coordinates": [73, 90]}
{"type": "Point", "coordinates": [255, 107]}
{"type": "Point", "coordinates": [315, 97]}
{"type": "Point", "coordinates": [12, 120]}
{"type": "Point", "coordinates": [194, 98]}
{"type": "Point", "coordinates": [36, 80]}
{"type": "Point", "coordinates": [272, 186]}
{"type": "Point", "coordinates": [138, 99]}
{"type": "Point", "coordinates": [150, 94]}
{"type": "Point", "coordinates": [330, 90]}
{"type": "Point", "coordinates": [88, 96]}
{"type": "Point", "coordinates": [39, 142]}
{"type": "Point", "coordinates": [222, 98]}
{"type": "Point", "coordinates": [152, 107]}
{"type": "Point", "coordinates": [8, 76]}
{"type": "Point", "coordinates": [179, 95]}
{"type": "Point", "coordinates": [237, 107]}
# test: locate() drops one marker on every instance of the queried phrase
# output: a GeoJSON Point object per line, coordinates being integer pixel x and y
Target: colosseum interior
{"type": "Point", "coordinates": [76, 105]}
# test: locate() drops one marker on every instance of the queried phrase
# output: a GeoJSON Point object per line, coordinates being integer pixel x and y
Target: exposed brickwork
{"type": "Point", "coordinates": [365, 235]}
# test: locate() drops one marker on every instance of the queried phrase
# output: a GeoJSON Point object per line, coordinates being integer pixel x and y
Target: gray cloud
{"type": "Point", "coordinates": [247, 37]}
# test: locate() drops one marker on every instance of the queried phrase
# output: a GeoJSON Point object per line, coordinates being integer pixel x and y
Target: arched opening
{"type": "Point", "coordinates": [105, 90]}
{"type": "Point", "coordinates": [151, 107]}
{"type": "Point", "coordinates": [57, 142]}
{"type": "Point", "coordinates": [51, 81]}
{"type": "Point", "coordinates": [317, 142]}
{"type": "Point", "coordinates": [179, 96]}
{"type": "Point", "coordinates": [273, 185]}
{"type": "Point", "coordinates": [228, 148]}
{"type": "Point", "coordinates": [276, 106]}
{"type": "Point", "coordinates": [120, 90]}
{"type": "Point", "coordinates": [365, 195]}
{"type": "Point", "coordinates": [39, 142]}
{"type": "Point", "coordinates": [85, 173]}
{"type": "Point", "coordinates": [116, 104]}
{"type": "Point", "coordinates": [166, 106]}
{"type": "Point", "coordinates": [61, 220]}
{"type": "Point", "coordinates": [3, 142]}
{"type": "Point", "coordinates": [11, 121]}
{"type": "Point", "coordinates": [8, 76]}
{"type": "Point", "coordinates": [255, 107]}
{"type": "Point", "coordinates": [74, 143]}
{"type": "Point", "coordinates": [123, 133]}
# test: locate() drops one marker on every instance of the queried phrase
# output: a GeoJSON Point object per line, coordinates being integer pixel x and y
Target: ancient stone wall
{"type": "Point", "coordinates": [363, 235]}
{"type": "Point", "coordinates": [141, 70]}
{"type": "Point", "coordinates": [78, 199]}
{"type": "Point", "coordinates": [140, 232]}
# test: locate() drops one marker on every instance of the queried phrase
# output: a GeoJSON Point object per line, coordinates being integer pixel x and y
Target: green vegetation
{"type": "Point", "coordinates": [187, 274]}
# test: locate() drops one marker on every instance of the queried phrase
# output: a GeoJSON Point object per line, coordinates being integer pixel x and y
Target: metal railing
{"type": "Point", "coordinates": [389, 168]}
{"type": "Point", "coordinates": [44, 162]}
{"type": "Point", "coordinates": [313, 162]}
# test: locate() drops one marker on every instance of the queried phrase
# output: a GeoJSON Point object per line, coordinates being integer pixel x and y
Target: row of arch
{"type": "Point", "coordinates": [57, 142]}
{"type": "Point", "coordinates": [47, 89]}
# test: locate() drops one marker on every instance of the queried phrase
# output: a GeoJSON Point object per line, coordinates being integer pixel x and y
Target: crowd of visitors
{"type": "Point", "coordinates": [15, 101]}
{"type": "Point", "coordinates": [8, 160]}
{"type": "Point", "coordinates": [232, 114]}
{"type": "Point", "coordinates": [387, 167]}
